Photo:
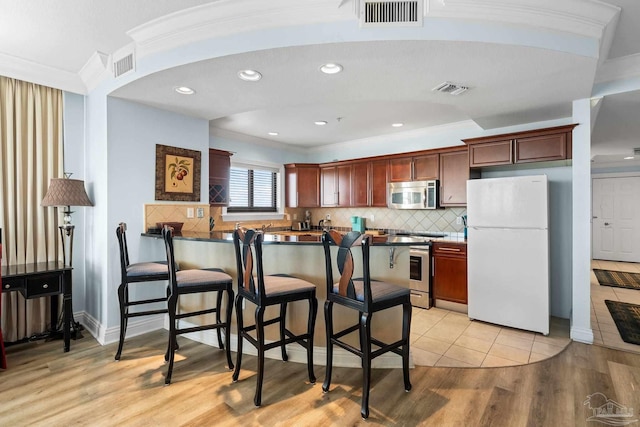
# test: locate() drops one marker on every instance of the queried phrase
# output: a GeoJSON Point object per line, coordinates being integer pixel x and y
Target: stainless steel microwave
{"type": "Point", "coordinates": [413, 195]}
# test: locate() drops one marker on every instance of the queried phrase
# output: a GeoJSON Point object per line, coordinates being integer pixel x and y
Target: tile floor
{"type": "Point", "coordinates": [604, 328]}
{"type": "Point", "coordinates": [447, 338]}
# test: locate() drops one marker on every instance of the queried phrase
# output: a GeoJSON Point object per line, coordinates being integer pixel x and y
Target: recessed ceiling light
{"type": "Point", "coordinates": [397, 125]}
{"type": "Point", "coordinates": [629, 158]}
{"type": "Point", "coordinates": [331, 68]}
{"type": "Point", "coordinates": [273, 133]}
{"type": "Point", "coordinates": [320, 122]}
{"type": "Point", "coordinates": [184, 90]}
{"type": "Point", "coordinates": [249, 75]}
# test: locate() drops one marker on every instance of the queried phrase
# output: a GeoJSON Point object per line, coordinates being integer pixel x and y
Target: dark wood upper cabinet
{"type": "Point", "coordinates": [335, 184]}
{"type": "Point", "coordinates": [491, 154]}
{"type": "Point", "coordinates": [538, 145]}
{"type": "Point", "coordinates": [426, 167]}
{"type": "Point", "coordinates": [302, 185]}
{"type": "Point", "coordinates": [418, 168]}
{"type": "Point", "coordinates": [541, 148]}
{"type": "Point", "coordinates": [454, 173]}
{"type": "Point", "coordinates": [219, 167]}
{"type": "Point", "coordinates": [360, 174]}
{"type": "Point", "coordinates": [379, 169]}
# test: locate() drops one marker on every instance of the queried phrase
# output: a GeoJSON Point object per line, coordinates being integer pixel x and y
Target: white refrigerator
{"type": "Point", "coordinates": [508, 251]}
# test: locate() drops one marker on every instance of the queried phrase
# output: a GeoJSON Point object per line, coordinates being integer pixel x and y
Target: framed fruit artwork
{"type": "Point", "coordinates": [177, 174]}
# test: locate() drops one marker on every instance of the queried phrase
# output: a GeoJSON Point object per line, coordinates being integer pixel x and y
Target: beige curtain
{"type": "Point", "coordinates": [31, 148]}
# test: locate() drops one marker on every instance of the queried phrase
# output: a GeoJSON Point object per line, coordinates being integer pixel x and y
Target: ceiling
{"type": "Point", "coordinates": [383, 81]}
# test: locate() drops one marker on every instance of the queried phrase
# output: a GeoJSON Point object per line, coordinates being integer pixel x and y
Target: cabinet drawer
{"type": "Point", "coordinates": [451, 249]}
{"type": "Point", "coordinates": [12, 284]}
{"type": "Point", "coordinates": [43, 285]}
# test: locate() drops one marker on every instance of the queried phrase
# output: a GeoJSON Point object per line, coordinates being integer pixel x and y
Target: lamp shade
{"type": "Point", "coordinates": [66, 192]}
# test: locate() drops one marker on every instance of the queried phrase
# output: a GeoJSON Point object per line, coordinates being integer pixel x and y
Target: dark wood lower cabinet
{"type": "Point", "coordinates": [450, 272]}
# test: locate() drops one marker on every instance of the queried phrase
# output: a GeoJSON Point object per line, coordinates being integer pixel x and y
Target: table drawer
{"type": "Point", "coordinates": [12, 284]}
{"type": "Point", "coordinates": [49, 284]}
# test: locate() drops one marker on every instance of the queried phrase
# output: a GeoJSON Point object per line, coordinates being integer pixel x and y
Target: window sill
{"type": "Point", "coordinates": [251, 216]}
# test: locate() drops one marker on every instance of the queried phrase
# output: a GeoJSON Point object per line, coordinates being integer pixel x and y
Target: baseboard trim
{"type": "Point", "coordinates": [583, 335]}
{"type": "Point", "coordinates": [296, 353]}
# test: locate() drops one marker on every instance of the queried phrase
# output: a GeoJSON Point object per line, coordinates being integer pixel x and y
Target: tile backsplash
{"type": "Point", "coordinates": [154, 213]}
{"type": "Point", "coordinates": [383, 218]}
{"type": "Point", "coordinates": [401, 219]}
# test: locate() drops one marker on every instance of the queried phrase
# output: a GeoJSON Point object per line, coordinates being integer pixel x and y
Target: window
{"type": "Point", "coordinates": [252, 190]}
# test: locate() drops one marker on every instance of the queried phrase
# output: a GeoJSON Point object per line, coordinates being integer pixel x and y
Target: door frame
{"type": "Point", "coordinates": [606, 175]}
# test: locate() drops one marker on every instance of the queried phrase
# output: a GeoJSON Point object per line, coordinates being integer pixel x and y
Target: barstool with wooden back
{"type": "Point", "coordinates": [264, 291]}
{"type": "Point", "coordinates": [194, 281]}
{"type": "Point", "coordinates": [143, 273]}
{"type": "Point", "coordinates": [366, 296]}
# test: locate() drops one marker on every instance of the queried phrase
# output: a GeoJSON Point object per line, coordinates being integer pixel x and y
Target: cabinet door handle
{"type": "Point", "coordinates": [449, 249]}
{"type": "Point", "coordinates": [297, 199]}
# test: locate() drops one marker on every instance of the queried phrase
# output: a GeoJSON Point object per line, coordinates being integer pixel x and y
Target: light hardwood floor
{"type": "Point", "coordinates": [46, 387]}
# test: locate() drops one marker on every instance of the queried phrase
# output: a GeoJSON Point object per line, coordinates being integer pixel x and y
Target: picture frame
{"type": "Point", "coordinates": [177, 174]}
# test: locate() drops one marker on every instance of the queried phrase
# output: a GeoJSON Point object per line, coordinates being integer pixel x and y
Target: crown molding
{"type": "Point", "coordinates": [586, 18]}
{"type": "Point", "coordinates": [95, 70]}
{"type": "Point", "coordinates": [229, 17]}
{"type": "Point", "coordinates": [624, 67]}
{"type": "Point", "coordinates": [18, 68]}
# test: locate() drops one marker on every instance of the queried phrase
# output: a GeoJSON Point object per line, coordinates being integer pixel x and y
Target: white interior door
{"type": "Point", "coordinates": [616, 216]}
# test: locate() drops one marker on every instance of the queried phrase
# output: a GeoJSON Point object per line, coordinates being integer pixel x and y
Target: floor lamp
{"type": "Point", "coordinates": [67, 192]}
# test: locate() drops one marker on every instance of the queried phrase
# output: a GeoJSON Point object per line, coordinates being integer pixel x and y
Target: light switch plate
{"type": "Point", "coordinates": [200, 212]}
{"type": "Point", "coordinates": [189, 212]}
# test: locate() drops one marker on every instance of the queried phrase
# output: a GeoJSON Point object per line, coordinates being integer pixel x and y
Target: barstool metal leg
{"type": "Point", "coordinates": [257, 400]}
{"type": "Point", "coordinates": [365, 343]}
{"type": "Point", "coordinates": [240, 323]}
{"type": "Point", "coordinates": [283, 318]}
{"type": "Point", "coordinates": [328, 320]}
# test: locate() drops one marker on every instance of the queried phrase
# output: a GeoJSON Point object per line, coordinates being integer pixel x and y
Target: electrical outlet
{"type": "Point", "coordinates": [329, 217]}
{"type": "Point", "coordinates": [189, 212]}
{"type": "Point", "coordinates": [372, 218]}
{"type": "Point", "coordinates": [295, 216]}
{"type": "Point", "coordinates": [200, 212]}
{"type": "Point", "coordinates": [459, 220]}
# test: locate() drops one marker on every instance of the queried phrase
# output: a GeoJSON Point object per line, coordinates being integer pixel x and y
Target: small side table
{"type": "Point", "coordinates": [42, 279]}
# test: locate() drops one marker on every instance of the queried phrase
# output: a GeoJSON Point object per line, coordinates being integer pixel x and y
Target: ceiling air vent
{"type": "Point", "coordinates": [123, 65]}
{"type": "Point", "coordinates": [636, 151]}
{"type": "Point", "coordinates": [450, 88]}
{"type": "Point", "coordinates": [391, 13]}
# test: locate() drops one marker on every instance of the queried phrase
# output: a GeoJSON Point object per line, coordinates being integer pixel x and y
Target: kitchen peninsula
{"type": "Point", "coordinates": [301, 254]}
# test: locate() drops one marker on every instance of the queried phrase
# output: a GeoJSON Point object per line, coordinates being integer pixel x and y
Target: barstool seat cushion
{"type": "Point", "coordinates": [380, 291]}
{"type": "Point", "coordinates": [207, 276]}
{"type": "Point", "coordinates": [280, 284]}
{"type": "Point", "coordinates": [147, 269]}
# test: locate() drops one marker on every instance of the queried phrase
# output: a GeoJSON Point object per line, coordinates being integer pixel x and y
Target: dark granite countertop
{"type": "Point", "coordinates": [314, 238]}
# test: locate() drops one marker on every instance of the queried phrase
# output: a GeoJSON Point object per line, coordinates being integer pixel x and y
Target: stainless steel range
{"type": "Point", "coordinates": [420, 276]}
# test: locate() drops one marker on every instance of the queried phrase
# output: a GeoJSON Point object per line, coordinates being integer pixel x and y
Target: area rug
{"type": "Point", "coordinates": [618, 279]}
{"type": "Point", "coordinates": [627, 318]}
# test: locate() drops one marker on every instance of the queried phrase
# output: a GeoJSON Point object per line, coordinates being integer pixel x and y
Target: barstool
{"type": "Point", "coordinates": [142, 272]}
{"type": "Point", "coordinates": [264, 291]}
{"type": "Point", "coordinates": [366, 296]}
{"type": "Point", "coordinates": [194, 281]}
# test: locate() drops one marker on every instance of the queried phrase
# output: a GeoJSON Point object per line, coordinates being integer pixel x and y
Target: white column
{"type": "Point", "coordinates": [581, 175]}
